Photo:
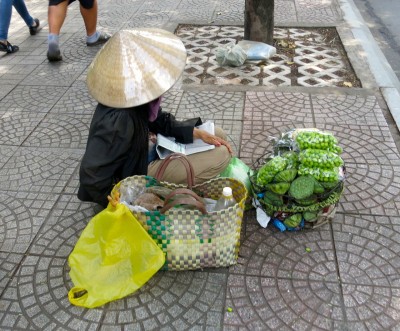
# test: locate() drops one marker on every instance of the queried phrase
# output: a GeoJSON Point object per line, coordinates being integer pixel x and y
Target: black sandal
{"type": "Point", "coordinates": [8, 48]}
{"type": "Point", "coordinates": [34, 29]}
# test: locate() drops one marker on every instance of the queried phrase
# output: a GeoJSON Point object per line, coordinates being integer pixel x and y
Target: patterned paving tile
{"type": "Point", "coordinates": [177, 300]}
{"type": "Point", "coordinates": [355, 109]}
{"type": "Point", "coordinates": [184, 299]}
{"type": "Point", "coordinates": [367, 252]}
{"type": "Point", "coordinates": [5, 154]}
{"type": "Point", "coordinates": [5, 89]}
{"type": "Point", "coordinates": [270, 253]}
{"type": "Point", "coordinates": [75, 51]}
{"type": "Point", "coordinates": [371, 308]}
{"type": "Point", "coordinates": [14, 73]}
{"type": "Point", "coordinates": [211, 105]}
{"type": "Point", "coordinates": [57, 74]}
{"type": "Point", "coordinates": [62, 229]}
{"type": "Point", "coordinates": [371, 189]}
{"type": "Point", "coordinates": [37, 299]}
{"type": "Point", "coordinates": [8, 265]}
{"type": "Point", "coordinates": [39, 170]}
{"type": "Point", "coordinates": [35, 99]}
{"type": "Point", "coordinates": [22, 215]}
{"type": "Point", "coordinates": [76, 100]}
{"type": "Point", "coordinates": [16, 126]}
{"type": "Point", "coordinates": [365, 144]}
{"type": "Point", "coordinates": [261, 303]}
{"type": "Point", "coordinates": [60, 130]}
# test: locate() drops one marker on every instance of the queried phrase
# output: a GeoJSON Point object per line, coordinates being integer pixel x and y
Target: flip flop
{"type": "Point", "coordinates": [103, 38]}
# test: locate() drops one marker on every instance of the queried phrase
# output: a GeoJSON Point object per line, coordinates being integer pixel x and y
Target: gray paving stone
{"type": "Point", "coordinates": [62, 229]}
{"type": "Point", "coordinates": [182, 299]}
{"type": "Point", "coordinates": [355, 109]}
{"type": "Point", "coordinates": [34, 99]}
{"type": "Point", "coordinates": [22, 215]}
{"type": "Point", "coordinates": [16, 126]}
{"type": "Point", "coordinates": [60, 130]}
{"type": "Point", "coordinates": [8, 265]}
{"type": "Point", "coordinates": [367, 252]}
{"type": "Point", "coordinates": [282, 304]}
{"type": "Point", "coordinates": [270, 253]}
{"type": "Point", "coordinates": [37, 299]}
{"type": "Point", "coordinates": [371, 308]}
{"type": "Point", "coordinates": [39, 170]}
{"type": "Point", "coordinates": [76, 100]}
{"type": "Point", "coordinates": [5, 89]}
{"type": "Point", "coordinates": [56, 74]}
{"type": "Point", "coordinates": [5, 153]}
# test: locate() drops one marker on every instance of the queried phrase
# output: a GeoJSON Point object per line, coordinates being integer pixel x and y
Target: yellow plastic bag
{"type": "Point", "coordinates": [113, 257]}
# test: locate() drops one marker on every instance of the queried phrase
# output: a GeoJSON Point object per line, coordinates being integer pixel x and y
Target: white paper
{"type": "Point", "coordinates": [168, 145]}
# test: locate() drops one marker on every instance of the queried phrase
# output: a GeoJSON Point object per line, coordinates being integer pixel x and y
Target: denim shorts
{"type": "Point", "coordinates": [87, 4]}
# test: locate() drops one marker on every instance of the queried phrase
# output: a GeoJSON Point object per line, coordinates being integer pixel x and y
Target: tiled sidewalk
{"type": "Point", "coordinates": [348, 281]}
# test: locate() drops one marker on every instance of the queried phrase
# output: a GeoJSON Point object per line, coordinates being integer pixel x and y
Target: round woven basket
{"type": "Point", "coordinates": [329, 197]}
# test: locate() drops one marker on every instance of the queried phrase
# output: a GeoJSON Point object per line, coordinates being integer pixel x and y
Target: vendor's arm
{"type": "Point", "coordinates": [211, 139]}
{"type": "Point", "coordinates": [169, 126]}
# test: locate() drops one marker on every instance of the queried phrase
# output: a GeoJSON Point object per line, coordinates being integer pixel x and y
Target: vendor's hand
{"type": "Point", "coordinates": [211, 139]}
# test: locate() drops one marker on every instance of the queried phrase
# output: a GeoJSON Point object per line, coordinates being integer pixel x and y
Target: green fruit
{"type": "Point", "coordinates": [306, 202]}
{"type": "Point", "coordinates": [273, 199]}
{"type": "Point", "coordinates": [329, 185]}
{"type": "Point", "coordinates": [318, 188]}
{"type": "Point", "coordinates": [287, 175]}
{"type": "Point", "coordinates": [293, 220]}
{"type": "Point", "coordinates": [310, 216]}
{"type": "Point", "coordinates": [302, 187]}
{"type": "Point", "coordinates": [292, 159]}
{"type": "Point", "coordinates": [268, 171]}
{"type": "Point", "coordinates": [279, 188]}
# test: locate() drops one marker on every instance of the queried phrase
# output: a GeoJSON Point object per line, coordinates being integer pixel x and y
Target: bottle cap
{"type": "Point", "coordinates": [227, 191]}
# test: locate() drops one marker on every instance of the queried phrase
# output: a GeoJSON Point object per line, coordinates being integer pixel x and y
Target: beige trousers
{"type": "Point", "coordinates": [206, 165]}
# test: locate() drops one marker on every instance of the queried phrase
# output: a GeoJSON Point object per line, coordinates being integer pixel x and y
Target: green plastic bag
{"type": "Point", "coordinates": [113, 257]}
{"type": "Point", "coordinates": [239, 170]}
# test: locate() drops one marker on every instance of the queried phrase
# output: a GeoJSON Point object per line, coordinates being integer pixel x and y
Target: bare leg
{"type": "Point", "coordinates": [56, 16]}
{"type": "Point", "coordinates": [90, 18]}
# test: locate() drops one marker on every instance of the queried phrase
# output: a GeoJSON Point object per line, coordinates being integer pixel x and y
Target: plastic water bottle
{"type": "Point", "coordinates": [226, 200]}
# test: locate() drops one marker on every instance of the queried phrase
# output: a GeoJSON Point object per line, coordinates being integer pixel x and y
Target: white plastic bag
{"type": "Point", "coordinates": [256, 50]}
{"type": "Point", "coordinates": [231, 55]}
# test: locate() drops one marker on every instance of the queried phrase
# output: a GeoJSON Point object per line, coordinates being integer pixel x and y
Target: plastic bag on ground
{"type": "Point", "coordinates": [256, 50]}
{"type": "Point", "coordinates": [113, 257]}
{"type": "Point", "coordinates": [230, 55]}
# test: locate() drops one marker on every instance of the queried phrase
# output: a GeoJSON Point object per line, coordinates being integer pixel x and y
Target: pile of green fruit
{"type": "Point", "coordinates": [304, 175]}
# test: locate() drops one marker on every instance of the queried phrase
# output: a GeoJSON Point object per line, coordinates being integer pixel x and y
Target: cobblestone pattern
{"type": "Point", "coordinates": [348, 279]}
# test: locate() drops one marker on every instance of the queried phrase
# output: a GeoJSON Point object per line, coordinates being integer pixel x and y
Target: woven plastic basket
{"type": "Point", "coordinates": [190, 237]}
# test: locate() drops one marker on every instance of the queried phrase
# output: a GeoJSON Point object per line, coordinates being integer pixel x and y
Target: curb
{"type": "Point", "coordinates": [383, 73]}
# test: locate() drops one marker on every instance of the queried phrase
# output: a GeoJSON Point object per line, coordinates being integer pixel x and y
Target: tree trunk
{"type": "Point", "coordinates": [259, 21]}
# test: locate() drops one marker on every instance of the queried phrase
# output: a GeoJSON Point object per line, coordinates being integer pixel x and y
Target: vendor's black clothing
{"type": "Point", "coordinates": [117, 147]}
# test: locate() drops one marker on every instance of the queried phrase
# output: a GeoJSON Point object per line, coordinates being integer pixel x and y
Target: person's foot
{"type": "Point", "coordinates": [102, 39]}
{"type": "Point", "coordinates": [54, 53]}
{"type": "Point", "coordinates": [7, 47]}
{"type": "Point", "coordinates": [35, 28]}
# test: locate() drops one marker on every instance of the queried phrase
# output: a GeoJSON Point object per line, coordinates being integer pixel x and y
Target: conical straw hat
{"type": "Point", "coordinates": [135, 67]}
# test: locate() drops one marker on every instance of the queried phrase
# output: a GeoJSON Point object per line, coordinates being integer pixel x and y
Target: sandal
{"type": "Point", "coordinates": [8, 48]}
{"type": "Point", "coordinates": [34, 29]}
{"type": "Point", "coordinates": [103, 38]}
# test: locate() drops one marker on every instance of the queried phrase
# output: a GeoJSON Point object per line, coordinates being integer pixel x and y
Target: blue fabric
{"type": "Point", "coordinates": [5, 15]}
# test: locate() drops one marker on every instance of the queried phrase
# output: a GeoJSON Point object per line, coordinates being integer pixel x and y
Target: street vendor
{"type": "Point", "coordinates": [128, 77]}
